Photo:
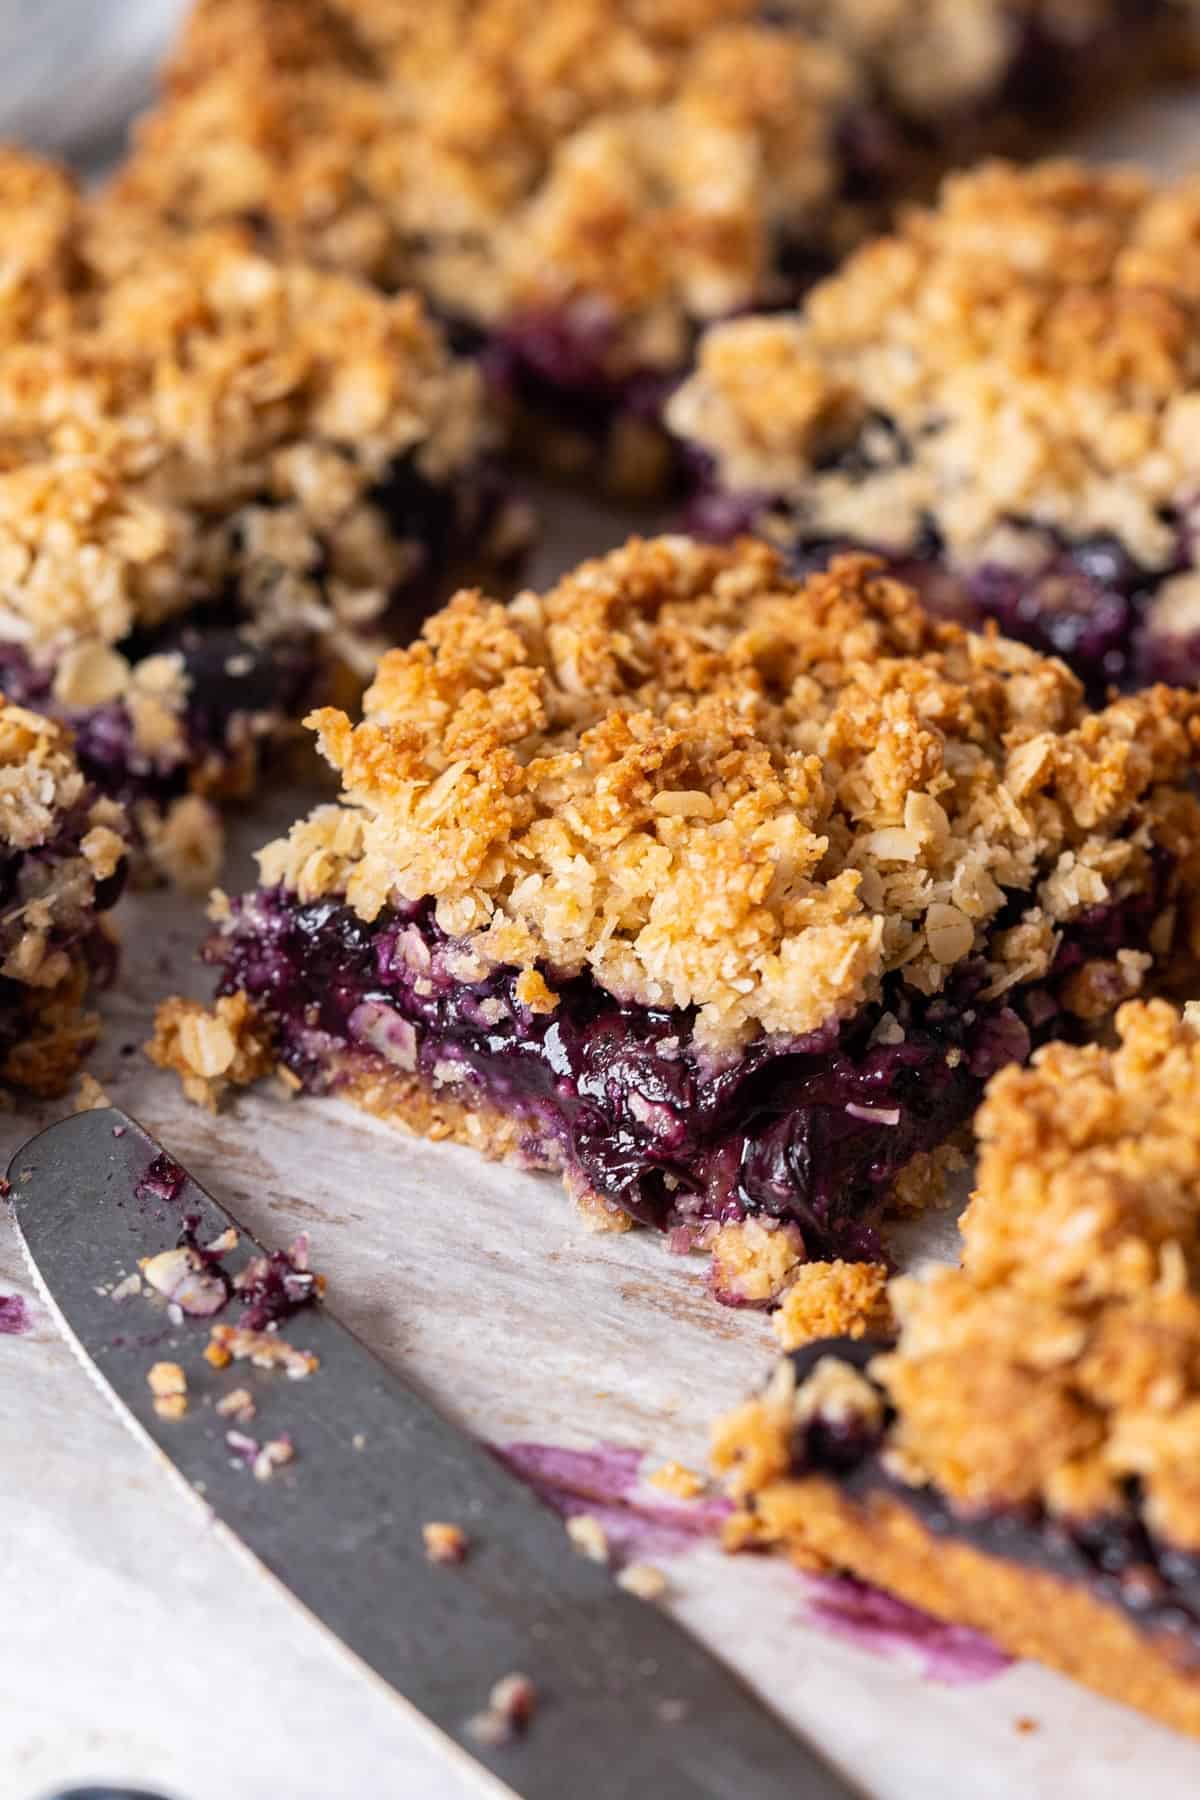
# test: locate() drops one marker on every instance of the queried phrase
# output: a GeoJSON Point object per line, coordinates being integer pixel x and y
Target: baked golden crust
{"type": "Point", "coordinates": [1034, 342]}
{"type": "Point", "coordinates": [639, 155]}
{"type": "Point", "coordinates": [1028, 1612]}
{"type": "Point", "coordinates": [709, 785]}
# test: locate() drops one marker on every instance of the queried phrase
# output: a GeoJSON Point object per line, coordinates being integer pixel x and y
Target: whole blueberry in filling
{"type": "Point", "coordinates": [720, 891]}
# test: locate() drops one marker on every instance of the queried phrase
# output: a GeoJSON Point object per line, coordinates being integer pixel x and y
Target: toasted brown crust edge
{"type": "Point", "coordinates": [1029, 1612]}
{"type": "Point", "coordinates": [409, 1102]}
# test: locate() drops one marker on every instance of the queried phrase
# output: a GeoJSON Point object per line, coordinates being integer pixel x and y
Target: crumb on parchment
{"type": "Point", "coordinates": [643, 1580]}
{"type": "Point", "coordinates": [168, 1384]}
{"type": "Point", "coordinates": [265, 1349]}
{"type": "Point", "coordinates": [445, 1543]}
{"type": "Point", "coordinates": [510, 1708]}
{"type": "Point", "coordinates": [237, 1404]}
{"type": "Point", "coordinates": [675, 1478]}
{"type": "Point", "coordinates": [588, 1536]}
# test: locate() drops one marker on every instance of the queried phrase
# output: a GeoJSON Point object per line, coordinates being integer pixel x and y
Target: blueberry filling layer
{"type": "Point", "coordinates": [1114, 1555]}
{"type": "Point", "coordinates": [242, 686]}
{"type": "Point", "coordinates": [1085, 600]}
{"type": "Point", "coordinates": [812, 1130]}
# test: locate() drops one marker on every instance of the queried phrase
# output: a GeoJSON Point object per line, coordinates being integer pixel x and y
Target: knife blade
{"type": "Point", "coordinates": [627, 1702]}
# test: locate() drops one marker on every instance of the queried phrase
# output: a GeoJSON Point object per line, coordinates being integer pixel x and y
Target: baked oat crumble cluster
{"type": "Point", "coordinates": [507, 154]}
{"type": "Point", "coordinates": [685, 820]}
{"type": "Point", "coordinates": [1002, 396]}
{"type": "Point", "coordinates": [219, 474]}
{"type": "Point", "coordinates": [1042, 1401]}
{"type": "Point", "coordinates": [62, 851]}
{"type": "Point", "coordinates": [581, 184]}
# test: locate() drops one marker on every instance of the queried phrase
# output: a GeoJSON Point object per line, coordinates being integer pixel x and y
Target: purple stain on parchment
{"type": "Point", "coordinates": [605, 1483]}
{"type": "Point", "coordinates": [14, 1316]}
{"type": "Point", "coordinates": [864, 1616]}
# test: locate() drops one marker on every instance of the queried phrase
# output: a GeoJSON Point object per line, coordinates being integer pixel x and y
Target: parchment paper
{"type": "Point", "coordinates": [134, 1646]}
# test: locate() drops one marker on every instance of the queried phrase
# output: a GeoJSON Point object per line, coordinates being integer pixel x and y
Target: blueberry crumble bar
{"type": "Point", "coordinates": [575, 187]}
{"type": "Point", "coordinates": [62, 852]}
{"type": "Point", "coordinates": [1002, 397]}
{"type": "Point", "coordinates": [226, 483]}
{"type": "Point", "coordinates": [1024, 1457]}
{"type": "Point", "coordinates": [721, 892]}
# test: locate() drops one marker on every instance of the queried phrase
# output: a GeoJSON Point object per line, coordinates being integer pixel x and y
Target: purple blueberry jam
{"type": "Point", "coordinates": [273, 1287]}
{"type": "Point", "coordinates": [811, 1130]}
{"type": "Point", "coordinates": [1115, 1555]}
{"type": "Point", "coordinates": [554, 364]}
{"type": "Point", "coordinates": [163, 1180]}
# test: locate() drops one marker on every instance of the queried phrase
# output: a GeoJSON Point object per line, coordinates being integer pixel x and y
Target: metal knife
{"type": "Point", "coordinates": [627, 1703]}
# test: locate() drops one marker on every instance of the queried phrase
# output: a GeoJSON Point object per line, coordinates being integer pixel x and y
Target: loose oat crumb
{"type": "Point", "coordinates": [237, 1404]}
{"type": "Point", "coordinates": [445, 1543]}
{"type": "Point", "coordinates": [1026, 1725]}
{"type": "Point", "coordinates": [128, 1288]}
{"type": "Point", "coordinates": [265, 1349]}
{"type": "Point", "coordinates": [184, 1279]}
{"type": "Point", "coordinates": [588, 1536]}
{"type": "Point", "coordinates": [753, 1260]}
{"type": "Point", "coordinates": [671, 1712]}
{"type": "Point", "coordinates": [91, 1096]}
{"type": "Point", "coordinates": [275, 1453]}
{"type": "Point", "coordinates": [644, 1580]}
{"type": "Point", "coordinates": [675, 1478]}
{"type": "Point", "coordinates": [168, 1384]}
{"type": "Point", "coordinates": [510, 1708]}
{"type": "Point", "coordinates": [211, 1051]}
{"type": "Point", "coordinates": [833, 1299]}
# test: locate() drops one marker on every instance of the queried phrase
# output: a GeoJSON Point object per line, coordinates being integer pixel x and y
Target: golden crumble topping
{"type": "Point", "coordinates": [205, 419]}
{"type": "Point", "coordinates": [639, 155]}
{"type": "Point", "coordinates": [944, 57]}
{"type": "Point", "coordinates": [711, 786]}
{"type": "Point", "coordinates": [42, 212]}
{"type": "Point", "coordinates": [1027, 353]}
